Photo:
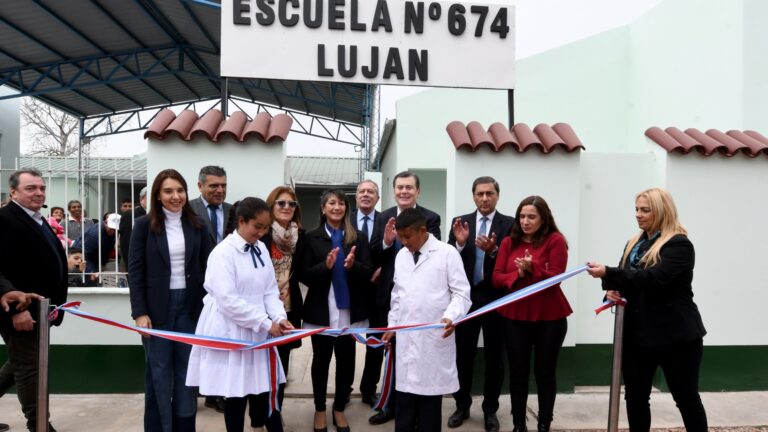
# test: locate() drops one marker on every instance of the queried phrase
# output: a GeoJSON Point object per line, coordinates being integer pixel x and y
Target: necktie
{"type": "Point", "coordinates": [255, 254]}
{"type": "Point", "coordinates": [479, 253]}
{"type": "Point", "coordinates": [416, 257]}
{"type": "Point", "coordinates": [214, 221]}
{"type": "Point", "coordinates": [366, 231]}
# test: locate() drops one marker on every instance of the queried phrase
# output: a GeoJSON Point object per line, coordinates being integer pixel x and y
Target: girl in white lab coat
{"type": "Point", "coordinates": [243, 302]}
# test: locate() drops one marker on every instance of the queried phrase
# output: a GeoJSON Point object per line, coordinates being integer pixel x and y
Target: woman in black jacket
{"type": "Point", "coordinates": [336, 269]}
{"type": "Point", "coordinates": [168, 256]}
{"type": "Point", "coordinates": [663, 327]}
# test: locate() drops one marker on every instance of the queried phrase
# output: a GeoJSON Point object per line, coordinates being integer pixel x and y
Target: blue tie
{"type": "Point", "coordinates": [479, 253]}
{"type": "Point", "coordinates": [366, 231]}
{"type": "Point", "coordinates": [214, 221]}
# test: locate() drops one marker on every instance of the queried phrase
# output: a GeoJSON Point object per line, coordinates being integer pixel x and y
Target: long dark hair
{"type": "Point", "coordinates": [547, 227]}
{"type": "Point", "coordinates": [350, 234]}
{"type": "Point", "coordinates": [156, 215]}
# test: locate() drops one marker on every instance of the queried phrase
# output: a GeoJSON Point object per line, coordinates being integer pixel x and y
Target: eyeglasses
{"type": "Point", "coordinates": [283, 203]}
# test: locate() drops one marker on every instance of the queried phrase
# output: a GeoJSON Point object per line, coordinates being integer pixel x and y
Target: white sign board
{"type": "Point", "coordinates": [438, 44]}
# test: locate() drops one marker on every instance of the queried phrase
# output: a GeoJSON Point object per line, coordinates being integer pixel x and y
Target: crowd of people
{"type": "Point", "coordinates": [234, 271]}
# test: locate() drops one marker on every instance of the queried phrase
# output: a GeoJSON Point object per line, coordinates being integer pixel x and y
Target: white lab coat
{"type": "Point", "coordinates": [242, 303]}
{"type": "Point", "coordinates": [434, 288]}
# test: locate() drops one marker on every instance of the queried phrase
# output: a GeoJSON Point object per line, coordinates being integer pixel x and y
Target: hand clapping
{"type": "Point", "coordinates": [460, 231]}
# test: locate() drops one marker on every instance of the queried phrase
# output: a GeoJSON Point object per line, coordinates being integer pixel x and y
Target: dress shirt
{"type": "Point", "coordinates": [35, 215]}
{"type": "Point", "coordinates": [360, 221]}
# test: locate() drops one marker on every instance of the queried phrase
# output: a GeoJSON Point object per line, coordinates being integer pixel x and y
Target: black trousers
{"type": "Point", "coordinates": [21, 370]}
{"type": "Point", "coordinates": [374, 358]}
{"type": "Point", "coordinates": [543, 339]}
{"type": "Point", "coordinates": [416, 412]}
{"type": "Point", "coordinates": [680, 364]}
{"type": "Point", "coordinates": [323, 348]}
{"type": "Point", "coordinates": [467, 335]}
{"type": "Point", "coordinates": [234, 412]}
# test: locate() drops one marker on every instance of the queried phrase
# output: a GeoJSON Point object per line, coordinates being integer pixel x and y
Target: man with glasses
{"type": "Point", "coordinates": [214, 214]}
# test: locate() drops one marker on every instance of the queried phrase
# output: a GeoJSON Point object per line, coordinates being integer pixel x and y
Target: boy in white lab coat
{"type": "Point", "coordinates": [430, 286]}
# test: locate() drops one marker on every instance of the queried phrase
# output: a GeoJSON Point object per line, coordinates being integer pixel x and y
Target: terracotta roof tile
{"type": "Point", "coordinates": [671, 139]}
{"type": "Point", "coordinates": [521, 138]}
{"type": "Point", "coordinates": [214, 126]}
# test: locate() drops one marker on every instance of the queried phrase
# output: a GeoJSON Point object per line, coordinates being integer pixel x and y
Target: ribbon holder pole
{"type": "Point", "coordinates": [615, 394]}
{"type": "Point", "coordinates": [44, 333]}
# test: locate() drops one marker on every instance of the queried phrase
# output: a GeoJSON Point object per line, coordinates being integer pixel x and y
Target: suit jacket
{"type": "Point", "coordinates": [482, 293]}
{"type": "Point", "coordinates": [29, 262]}
{"type": "Point", "coordinates": [317, 277]}
{"type": "Point", "coordinates": [660, 308]}
{"type": "Point", "coordinates": [202, 212]}
{"type": "Point", "coordinates": [149, 269]}
{"type": "Point", "coordinates": [126, 228]}
{"type": "Point", "coordinates": [375, 229]}
{"type": "Point", "coordinates": [385, 258]}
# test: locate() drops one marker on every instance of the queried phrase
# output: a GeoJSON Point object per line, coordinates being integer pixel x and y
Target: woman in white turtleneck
{"type": "Point", "coordinates": [168, 255]}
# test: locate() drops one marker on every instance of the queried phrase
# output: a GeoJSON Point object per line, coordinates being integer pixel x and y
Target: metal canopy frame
{"type": "Point", "coordinates": [109, 60]}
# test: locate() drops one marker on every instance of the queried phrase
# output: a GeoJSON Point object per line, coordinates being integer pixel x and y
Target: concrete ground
{"type": "Point", "coordinates": [586, 409]}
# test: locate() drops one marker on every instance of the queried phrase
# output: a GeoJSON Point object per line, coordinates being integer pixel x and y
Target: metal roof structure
{"type": "Point", "coordinates": [323, 171]}
{"type": "Point", "coordinates": [122, 168]}
{"type": "Point", "coordinates": [97, 58]}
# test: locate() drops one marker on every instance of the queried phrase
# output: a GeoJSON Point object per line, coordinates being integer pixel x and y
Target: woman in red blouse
{"type": "Point", "coordinates": [534, 250]}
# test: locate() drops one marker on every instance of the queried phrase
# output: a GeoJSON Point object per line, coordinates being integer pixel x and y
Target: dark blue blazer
{"type": "Point", "coordinates": [484, 292]}
{"type": "Point", "coordinates": [149, 269]}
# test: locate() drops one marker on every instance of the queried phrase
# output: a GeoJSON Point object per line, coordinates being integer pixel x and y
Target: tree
{"type": "Point", "coordinates": [52, 132]}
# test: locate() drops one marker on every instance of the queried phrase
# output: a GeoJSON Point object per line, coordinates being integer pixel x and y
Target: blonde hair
{"type": "Point", "coordinates": [665, 221]}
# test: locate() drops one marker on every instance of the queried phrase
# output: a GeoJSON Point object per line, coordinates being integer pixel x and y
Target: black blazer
{"type": "Point", "coordinates": [482, 293]}
{"type": "Point", "coordinates": [149, 269]}
{"type": "Point", "coordinates": [660, 308]}
{"type": "Point", "coordinates": [297, 301]}
{"type": "Point", "coordinates": [29, 262]}
{"type": "Point", "coordinates": [385, 258]}
{"type": "Point", "coordinates": [126, 229]}
{"type": "Point", "coordinates": [375, 230]}
{"type": "Point", "coordinates": [317, 277]}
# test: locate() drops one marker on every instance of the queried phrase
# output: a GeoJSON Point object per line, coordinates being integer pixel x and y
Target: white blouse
{"type": "Point", "coordinates": [176, 248]}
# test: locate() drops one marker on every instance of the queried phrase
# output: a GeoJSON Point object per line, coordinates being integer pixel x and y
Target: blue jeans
{"type": "Point", "coordinates": [169, 405]}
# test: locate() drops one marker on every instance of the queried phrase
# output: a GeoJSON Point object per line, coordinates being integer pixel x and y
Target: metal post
{"type": "Point", "coordinates": [225, 97]}
{"type": "Point", "coordinates": [511, 106]}
{"type": "Point", "coordinates": [615, 395]}
{"type": "Point", "coordinates": [43, 330]}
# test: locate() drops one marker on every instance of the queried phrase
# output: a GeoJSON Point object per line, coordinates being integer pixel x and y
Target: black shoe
{"type": "Point", "coordinates": [520, 427]}
{"type": "Point", "coordinates": [340, 428]}
{"type": "Point", "coordinates": [4, 427]}
{"type": "Point", "coordinates": [491, 422]}
{"type": "Point", "coordinates": [368, 399]}
{"type": "Point", "coordinates": [543, 426]}
{"type": "Point", "coordinates": [215, 402]}
{"type": "Point", "coordinates": [457, 418]}
{"type": "Point", "coordinates": [382, 417]}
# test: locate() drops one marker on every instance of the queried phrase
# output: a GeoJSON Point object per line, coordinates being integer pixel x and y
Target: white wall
{"type": "Point", "coordinates": [722, 202]}
{"type": "Point", "coordinates": [253, 168]}
{"type": "Point", "coordinates": [111, 303]}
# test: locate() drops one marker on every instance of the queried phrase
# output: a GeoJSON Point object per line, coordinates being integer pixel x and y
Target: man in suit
{"type": "Point", "coordinates": [210, 206]}
{"type": "Point", "coordinates": [126, 224]}
{"type": "Point", "coordinates": [214, 213]}
{"type": "Point", "coordinates": [35, 264]}
{"type": "Point", "coordinates": [476, 236]}
{"type": "Point", "coordinates": [406, 186]}
{"type": "Point", "coordinates": [368, 221]}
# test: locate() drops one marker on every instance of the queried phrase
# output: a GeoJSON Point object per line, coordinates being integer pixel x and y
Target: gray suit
{"type": "Point", "coordinates": [202, 212]}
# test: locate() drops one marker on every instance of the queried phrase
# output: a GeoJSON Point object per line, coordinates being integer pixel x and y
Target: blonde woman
{"type": "Point", "coordinates": [663, 327]}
